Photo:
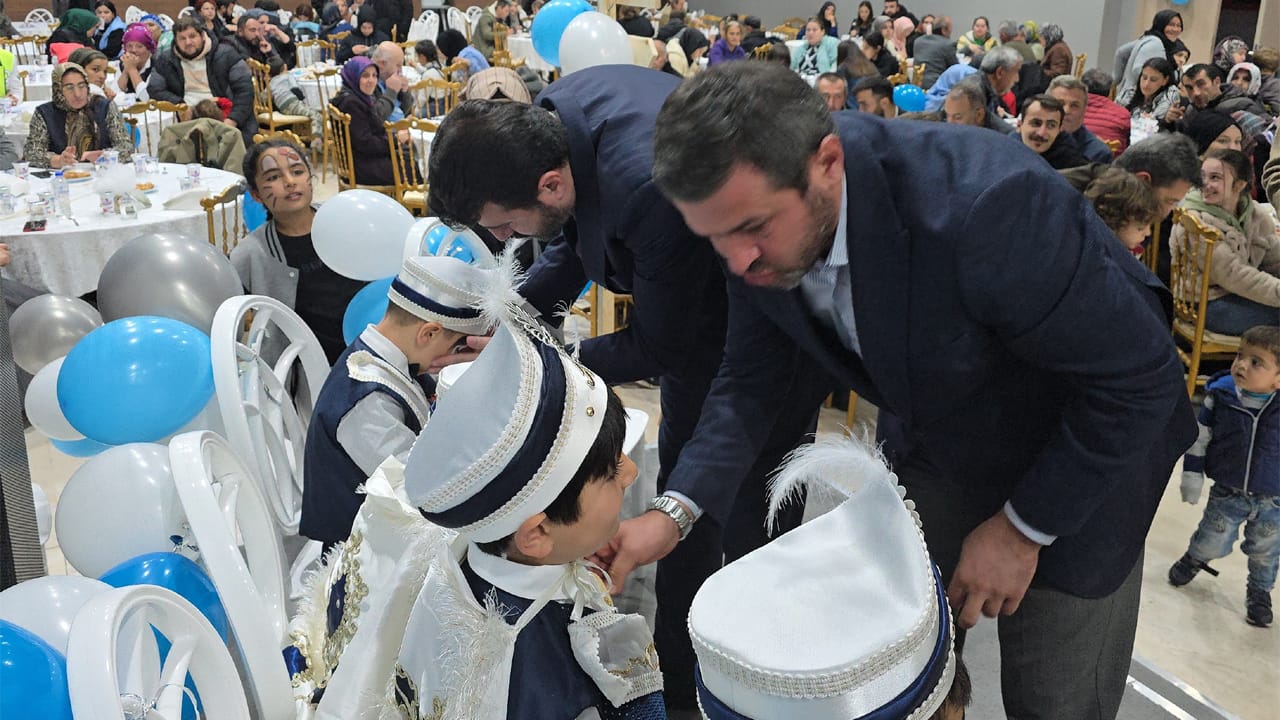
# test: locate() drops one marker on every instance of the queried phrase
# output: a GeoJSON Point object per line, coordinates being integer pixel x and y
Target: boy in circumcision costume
{"type": "Point", "coordinates": [374, 402]}
{"type": "Point", "coordinates": [491, 612]}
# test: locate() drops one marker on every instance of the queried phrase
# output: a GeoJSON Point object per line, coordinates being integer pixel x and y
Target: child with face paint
{"type": "Point", "coordinates": [278, 259]}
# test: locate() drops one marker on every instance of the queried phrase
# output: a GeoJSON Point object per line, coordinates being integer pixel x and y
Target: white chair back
{"type": "Point", "coordinates": [253, 374]}
{"type": "Point", "coordinates": [133, 14]}
{"type": "Point", "coordinates": [104, 622]}
{"type": "Point", "coordinates": [188, 10]}
{"type": "Point", "coordinates": [425, 27]}
{"type": "Point", "coordinates": [226, 512]}
{"type": "Point", "coordinates": [40, 15]}
{"type": "Point", "coordinates": [166, 22]}
{"type": "Point", "coordinates": [455, 19]}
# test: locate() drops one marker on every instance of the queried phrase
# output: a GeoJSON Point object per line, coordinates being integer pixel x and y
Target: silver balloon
{"type": "Point", "coordinates": [45, 327]}
{"type": "Point", "coordinates": [168, 275]}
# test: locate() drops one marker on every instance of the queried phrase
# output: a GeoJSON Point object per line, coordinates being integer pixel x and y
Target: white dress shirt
{"type": "Point", "coordinates": [374, 428]}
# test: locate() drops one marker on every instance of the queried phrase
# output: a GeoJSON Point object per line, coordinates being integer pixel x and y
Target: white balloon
{"type": "Point", "coordinates": [46, 606]}
{"type": "Point", "coordinates": [44, 514]}
{"type": "Point", "coordinates": [42, 404]}
{"type": "Point", "coordinates": [120, 504]}
{"type": "Point", "coordinates": [360, 234]}
{"type": "Point", "coordinates": [592, 39]}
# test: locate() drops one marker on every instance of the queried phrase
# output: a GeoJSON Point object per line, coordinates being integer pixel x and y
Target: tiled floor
{"type": "Point", "coordinates": [1195, 634]}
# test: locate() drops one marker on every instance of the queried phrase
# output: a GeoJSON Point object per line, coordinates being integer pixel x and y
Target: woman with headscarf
{"type": "Point", "coordinates": [95, 66]}
{"type": "Point", "coordinates": [135, 61]}
{"type": "Point", "coordinates": [453, 44]}
{"type": "Point", "coordinates": [368, 135]}
{"type": "Point", "coordinates": [364, 38]}
{"type": "Point", "coordinates": [902, 28]}
{"type": "Point", "coordinates": [1057, 54]}
{"type": "Point", "coordinates": [1247, 77]}
{"type": "Point", "coordinates": [109, 37]}
{"type": "Point", "coordinates": [684, 49]}
{"type": "Point", "coordinates": [331, 21]}
{"type": "Point", "coordinates": [75, 125]}
{"type": "Point", "coordinates": [827, 19]}
{"type": "Point", "coordinates": [163, 38]}
{"type": "Point", "coordinates": [1160, 40]}
{"type": "Point", "coordinates": [73, 31]}
{"type": "Point", "coordinates": [818, 54]}
{"type": "Point", "coordinates": [1231, 51]}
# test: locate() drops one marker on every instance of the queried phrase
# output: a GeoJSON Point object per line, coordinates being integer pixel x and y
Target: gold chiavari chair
{"type": "Point", "coordinates": [762, 52]}
{"type": "Point", "coordinates": [1189, 279]}
{"type": "Point", "coordinates": [327, 151]}
{"type": "Point", "coordinates": [449, 70]}
{"type": "Point", "coordinates": [409, 161]}
{"type": "Point", "coordinates": [1080, 61]}
{"type": "Point", "coordinates": [917, 73]}
{"type": "Point", "coordinates": [338, 37]}
{"type": "Point", "coordinates": [223, 213]}
{"type": "Point", "coordinates": [138, 113]}
{"type": "Point", "coordinates": [786, 32]}
{"type": "Point", "coordinates": [795, 22]}
{"type": "Point", "coordinates": [1151, 254]}
{"type": "Point", "coordinates": [28, 48]}
{"type": "Point", "coordinates": [310, 52]}
{"type": "Point", "coordinates": [22, 78]}
{"type": "Point", "coordinates": [434, 97]}
{"type": "Point", "coordinates": [271, 135]}
{"type": "Point", "coordinates": [264, 106]}
{"type": "Point", "coordinates": [344, 157]}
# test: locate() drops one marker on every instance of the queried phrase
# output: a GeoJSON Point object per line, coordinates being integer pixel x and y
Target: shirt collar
{"type": "Point", "coordinates": [838, 256]}
{"type": "Point", "coordinates": [385, 349]}
{"type": "Point", "coordinates": [525, 581]}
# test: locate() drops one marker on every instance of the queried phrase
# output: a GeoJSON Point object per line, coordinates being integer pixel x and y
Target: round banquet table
{"type": "Point", "coordinates": [67, 258]}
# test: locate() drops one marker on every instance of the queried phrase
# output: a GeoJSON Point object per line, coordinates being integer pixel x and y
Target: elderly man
{"type": "Point", "coordinates": [1036, 463]}
{"type": "Point", "coordinates": [196, 68]}
{"type": "Point", "coordinates": [1014, 36]}
{"type": "Point", "coordinates": [937, 51]}
{"type": "Point", "coordinates": [834, 89]}
{"type": "Point", "coordinates": [964, 106]}
{"type": "Point", "coordinates": [482, 38]}
{"type": "Point", "coordinates": [1000, 68]}
{"type": "Point", "coordinates": [1074, 96]}
{"type": "Point", "coordinates": [392, 101]}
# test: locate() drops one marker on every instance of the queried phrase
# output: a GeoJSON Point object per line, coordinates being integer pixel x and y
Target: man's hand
{"type": "Point", "coordinates": [230, 122]}
{"type": "Point", "coordinates": [4, 255]}
{"type": "Point", "coordinates": [640, 541]}
{"type": "Point", "coordinates": [996, 565]}
{"type": "Point", "coordinates": [471, 351]}
{"type": "Point", "coordinates": [1175, 114]}
{"type": "Point", "coordinates": [359, 49]}
{"type": "Point", "coordinates": [397, 83]}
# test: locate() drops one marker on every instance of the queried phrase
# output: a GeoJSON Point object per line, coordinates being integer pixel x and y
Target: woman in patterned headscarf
{"type": "Point", "coordinates": [75, 125]}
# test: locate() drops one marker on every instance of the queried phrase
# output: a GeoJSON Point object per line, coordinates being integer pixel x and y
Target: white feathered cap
{"type": "Point", "coordinates": [508, 437]}
{"type": "Point", "coordinates": [844, 617]}
{"type": "Point", "coordinates": [445, 290]}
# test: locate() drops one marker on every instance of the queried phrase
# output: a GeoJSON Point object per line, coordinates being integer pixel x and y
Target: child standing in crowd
{"type": "Point", "coordinates": [1239, 448]}
{"type": "Point", "coordinates": [1126, 203]}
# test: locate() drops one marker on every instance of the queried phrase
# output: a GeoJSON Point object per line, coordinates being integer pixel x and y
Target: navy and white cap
{"type": "Point", "coordinates": [445, 290]}
{"type": "Point", "coordinates": [508, 437]}
{"type": "Point", "coordinates": [843, 618]}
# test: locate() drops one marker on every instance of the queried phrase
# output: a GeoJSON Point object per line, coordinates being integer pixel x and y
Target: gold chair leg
{"type": "Point", "coordinates": [853, 403]}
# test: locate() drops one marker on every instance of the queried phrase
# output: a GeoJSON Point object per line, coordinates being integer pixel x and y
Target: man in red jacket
{"type": "Point", "coordinates": [1103, 116]}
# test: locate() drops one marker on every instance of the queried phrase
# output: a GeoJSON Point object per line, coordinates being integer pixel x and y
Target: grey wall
{"type": "Point", "coordinates": [1096, 27]}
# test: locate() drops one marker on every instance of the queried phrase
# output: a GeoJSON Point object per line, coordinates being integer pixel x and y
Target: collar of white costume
{"type": "Point", "coordinates": [525, 581]}
{"type": "Point", "coordinates": [385, 349]}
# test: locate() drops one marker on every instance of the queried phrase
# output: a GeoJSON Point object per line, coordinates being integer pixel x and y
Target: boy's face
{"type": "Point", "coordinates": [1255, 369]}
{"type": "Point", "coordinates": [600, 508]}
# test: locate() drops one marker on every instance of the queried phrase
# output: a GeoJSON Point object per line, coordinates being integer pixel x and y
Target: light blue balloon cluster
{"type": "Point", "coordinates": [365, 308]}
{"type": "Point", "coordinates": [33, 677]}
{"type": "Point", "coordinates": [909, 98]}
{"type": "Point", "coordinates": [137, 379]}
{"type": "Point", "coordinates": [549, 24]}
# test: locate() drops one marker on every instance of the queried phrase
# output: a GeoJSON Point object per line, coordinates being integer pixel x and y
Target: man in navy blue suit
{"type": "Point", "coordinates": [1031, 399]}
{"type": "Point", "coordinates": [576, 166]}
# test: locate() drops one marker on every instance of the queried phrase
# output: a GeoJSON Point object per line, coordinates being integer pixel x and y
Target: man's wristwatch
{"type": "Point", "coordinates": [674, 510]}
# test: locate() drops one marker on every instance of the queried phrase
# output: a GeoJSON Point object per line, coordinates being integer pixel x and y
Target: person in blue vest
{"type": "Point", "coordinates": [75, 126]}
{"type": "Point", "coordinates": [374, 402]}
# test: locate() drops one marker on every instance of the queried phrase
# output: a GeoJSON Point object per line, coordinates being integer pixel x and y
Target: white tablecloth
{"type": "Point", "coordinates": [521, 46]}
{"type": "Point", "coordinates": [39, 81]}
{"type": "Point", "coordinates": [32, 28]}
{"type": "Point", "coordinates": [310, 83]}
{"type": "Point", "coordinates": [67, 258]}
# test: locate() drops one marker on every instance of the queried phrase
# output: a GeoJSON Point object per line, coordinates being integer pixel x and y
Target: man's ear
{"type": "Point", "coordinates": [531, 539]}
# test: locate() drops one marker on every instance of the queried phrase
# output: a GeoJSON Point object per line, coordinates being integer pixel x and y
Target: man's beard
{"type": "Point", "coordinates": [551, 222]}
{"type": "Point", "coordinates": [178, 49]}
{"type": "Point", "coordinates": [814, 246]}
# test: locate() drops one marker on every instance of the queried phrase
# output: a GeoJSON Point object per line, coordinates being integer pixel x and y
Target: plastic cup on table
{"type": "Point", "coordinates": [21, 170]}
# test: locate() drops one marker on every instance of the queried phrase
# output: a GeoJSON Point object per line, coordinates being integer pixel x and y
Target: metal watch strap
{"type": "Point", "coordinates": [673, 509]}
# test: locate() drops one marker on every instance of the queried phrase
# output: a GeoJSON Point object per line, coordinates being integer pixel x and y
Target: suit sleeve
{"type": "Point", "coordinates": [1040, 281]}
{"type": "Point", "coordinates": [672, 268]}
{"type": "Point", "coordinates": [555, 279]}
{"type": "Point", "coordinates": [740, 410]}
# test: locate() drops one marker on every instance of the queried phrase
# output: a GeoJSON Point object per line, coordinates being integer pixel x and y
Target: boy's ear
{"type": "Point", "coordinates": [426, 331]}
{"type": "Point", "coordinates": [531, 539]}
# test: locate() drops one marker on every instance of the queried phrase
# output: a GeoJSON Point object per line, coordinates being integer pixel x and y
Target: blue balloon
{"type": "Point", "coordinates": [367, 306]}
{"type": "Point", "coordinates": [255, 215]}
{"type": "Point", "coordinates": [461, 250]}
{"type": "Point", "coordinates": [549, 25]}
{"type": "Point", "coordinates": [159, 369]}
{"type": "Point", "coordinates": [33, 677]}
{"type": "Point", "coordinates": [909, 98]}
{"type": "Point", "coordinates": [82, 448]}
{"type": "Point", "coordinates": [431, 243]}
{"type": "Point", "coordinates": [172, 572]}
{"type": "Point", "coordinates": [1181, 2]}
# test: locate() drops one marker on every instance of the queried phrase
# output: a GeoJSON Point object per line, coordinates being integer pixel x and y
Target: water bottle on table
{"type": "Point", "coordinates": [61, 194]}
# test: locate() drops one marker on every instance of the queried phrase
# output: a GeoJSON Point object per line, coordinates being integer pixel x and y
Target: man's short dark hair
{"type": "Point", "coordinates": [187, 22]}
{"type": "Point", "coordinates": [1167, 158]}
{"type": "Point", "coordinates": [971, 89]}
{"type": "Point", "coordinates": [752, 22]}
{"type": "Point", "coordinates": [1097, 81]}
{"type": "Point", "coordinates": [880, 87]}
{"type": "Point", "coordinates": [727, 115]}
{"type": "Point", "coordinates": [833, 77]}
{"type": "Point", "coordinates": [1048, 102]}
{"type": "Point", "coordinates": [1198, 68]}
{"type": "Point", "coordinates": [462, 174]}
{"type": "Point", "coordinates": [601, 463]}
